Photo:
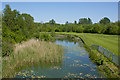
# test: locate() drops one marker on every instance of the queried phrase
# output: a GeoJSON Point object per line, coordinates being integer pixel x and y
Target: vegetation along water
{"type": "Point", "coordinates": [34, 50]}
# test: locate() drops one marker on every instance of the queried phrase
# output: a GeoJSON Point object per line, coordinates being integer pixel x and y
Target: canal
{"type": "Point", "coordinates": [75, 64]}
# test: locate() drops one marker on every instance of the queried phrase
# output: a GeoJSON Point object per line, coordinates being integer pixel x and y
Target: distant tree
{"type": "Point", "coordinates": [89, 21]}
{"type": "Point", "coordinates": [87, 28]}
{"type": "Point", "coordinates": [75, 22]}
{"type": "Point", "coordinates": [111, 29]}
{"type": "Point", "coordinates": [105, 20]}
{"type": "Point", "coordinates": [80, 29]}
{"type": "Point", "coordinates": [66, 23]}
{"type": "Point", "coordinates": [85, 21]}
{"type": "Point", "coordinates": [52, 21]}
{"type": "Point", "coordinates": [96, 28]}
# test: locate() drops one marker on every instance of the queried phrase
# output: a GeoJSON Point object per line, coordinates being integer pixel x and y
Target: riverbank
{"type": "Point", "coordinates": [31, 52]}
{"type": "Point", "coordinates": [105, 66]}
{"type": "Point", "coordinates": [110, 42]}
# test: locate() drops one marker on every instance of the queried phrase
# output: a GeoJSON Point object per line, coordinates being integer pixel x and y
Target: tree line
{"type": "Point", "coordinates": [83, 26]}
{"type": "Point", "coordinates": [18, 27]}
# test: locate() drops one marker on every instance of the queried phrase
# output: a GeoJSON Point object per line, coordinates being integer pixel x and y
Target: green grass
{"type": "Point", "coordinates": [31, 52]}
{"type": "Point", "coordinates": [110, 42]}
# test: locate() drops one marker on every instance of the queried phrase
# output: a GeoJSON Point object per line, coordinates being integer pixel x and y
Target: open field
{"type": "Point", "coordinates": [109, 42]}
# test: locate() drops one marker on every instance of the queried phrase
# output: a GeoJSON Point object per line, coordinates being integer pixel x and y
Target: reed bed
{"type": "Point", "coordinates": [31, 52]}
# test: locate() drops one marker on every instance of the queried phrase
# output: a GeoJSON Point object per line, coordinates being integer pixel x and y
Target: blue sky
{"type": "Point", "coordinates": [66, 11]}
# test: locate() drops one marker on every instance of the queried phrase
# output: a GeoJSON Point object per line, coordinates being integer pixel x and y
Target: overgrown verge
{"type": "Point", "coordinates": [31, 52]}
{"type": "Point", "coordinates": [9, 41]}
{"type": "Point", "coordinates": [105, 66]}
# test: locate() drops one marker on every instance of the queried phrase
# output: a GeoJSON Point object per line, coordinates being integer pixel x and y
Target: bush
{"type": "Point", "coordinates": [53, 33]}
{"type": "Point", "coordinates": [99, 62]}
{"type": "Point", "coordinates": [7, 48]}
{"type": "Point", "coordinates": [45, 37]}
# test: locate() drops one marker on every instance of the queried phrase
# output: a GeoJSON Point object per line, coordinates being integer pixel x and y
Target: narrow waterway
{"type": "Point", "coordinates": [75, 64]}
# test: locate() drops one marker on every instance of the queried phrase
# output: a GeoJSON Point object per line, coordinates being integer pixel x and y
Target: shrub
{"type": "Point", "coordinates": [45, 37]}
{"type": "Point", "coordinates": [7, 48]}
{"type": "Point", "coordinates": [53, 33]}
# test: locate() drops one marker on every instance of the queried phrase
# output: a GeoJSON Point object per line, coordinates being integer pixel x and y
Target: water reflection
{"type": "Point", "coordinates": [75, 64]}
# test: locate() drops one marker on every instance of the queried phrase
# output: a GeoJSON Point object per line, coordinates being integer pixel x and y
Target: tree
{"type": "Point", "coordinates": [85, 21]}
{"type": "Point", "coordinates": [87, 28]}
{"type": "Point", "coordinates": [75, 22]}
{"type": "Point", "coordinates": [105, 20]}
{"type": "Point", "coordinates": [7, 16]}
{"type": "Point", "coordinates": [80, 29]}
{"type": "Point", "coordinates": [66, 23]}
{"type": "Point", "coordinates": [89, 21]}
{"type": "Point", "coordinates": [96, 28]}
{"type": "Point", "coordinates": [111, 29]}
{"type": "Point", "coordinates": [28, 24]}
{"type": "Point", "coordinates": [52, 21]}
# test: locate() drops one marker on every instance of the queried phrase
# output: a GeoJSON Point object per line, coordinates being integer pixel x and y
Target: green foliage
{"type": "Point", "coordinates": [85, 21]}
{"type": "Point", "coordinates": [58, 30]}
{"type": "Point", "coordinates": [66, 23]}
{"type": "Point", "coordinates": [53, 33]}
{"type": "Point", "coordinates": [80, 29]}
{"type": "Point", "coordinates": [16, 28]}
{"type": "Point", "coordinates": [52, 21]}
{"type": "Point", "coordinates": [97, 28]}
{"type": "Point", "coordinates": [105, 20]}
{"type": "Point", "coordinates": [31, 52]}
{"type": "Point", "coordinates": [7, 48]}
{"type": "Point", "coordinates": [75, 22]}
{"type": "Point", "coordinates": [21, 27]}
{"type": "Point", "coordinates": [99, 61]}
{"type": "Point", "coordinates": [85, 25]}
{"type": "Point", "coordinates": [103, 40]}
{"type": "Point", "coordinates": [45, 36]}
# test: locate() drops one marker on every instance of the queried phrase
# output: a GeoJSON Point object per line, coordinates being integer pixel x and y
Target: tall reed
{"type": "Point", "coordinates": [32, 52]}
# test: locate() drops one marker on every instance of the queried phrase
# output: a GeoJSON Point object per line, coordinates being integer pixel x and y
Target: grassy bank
{"type": "Point", "coordinates": [110, 42]}
{"type": "Point", "coordinates": [104, 65]}
{"type": "Point", "coordinates": [31, 52]}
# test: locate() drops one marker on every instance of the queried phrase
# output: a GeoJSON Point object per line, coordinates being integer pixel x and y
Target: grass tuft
{"type": "Point", "coordinates": [32, 52]}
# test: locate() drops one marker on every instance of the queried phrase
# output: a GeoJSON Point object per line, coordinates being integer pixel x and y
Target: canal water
{"type": "Point", "coordinates": [75, 64]}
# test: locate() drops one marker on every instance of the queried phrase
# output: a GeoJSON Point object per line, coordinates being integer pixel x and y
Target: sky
{"type": "Point", "coordinates": [66, 11]}
{"type": "Point", "coordinates": [59, 0]}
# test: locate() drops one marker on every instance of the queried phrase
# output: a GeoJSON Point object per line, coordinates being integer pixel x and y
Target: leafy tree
{"type": "Point", "coordinates": [96, 28]}
{"type": "Point", "coordinates": [28, 24]}
{"type": "Point", "coordinates": [66, 23]}
{"type": "Point", "coordinates": [7, 16]}
{"type": "Point", "coordinates": [52, 21]}
{"type": "Point", "coordinates": [89, 21]}
{"type": "Point", "coordinates": [85, 21]}
{"type": "Point", "coordinates": [75, 22]}
{"type": "Point", "coordinates": [105, 20]}
{"type": "Point", "coordinates": [18, 27]}
{"type": "Point", "coordinates": [112, 29]}
{"type": "Point", "coordinates": [87, 28]}
{"type": "Point", "coordinates": [75, 28]}
{"type": "Point", "coordinates": [80, 29]}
